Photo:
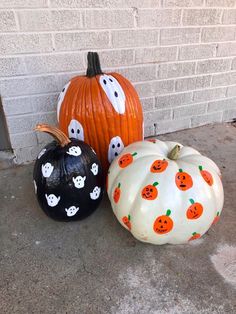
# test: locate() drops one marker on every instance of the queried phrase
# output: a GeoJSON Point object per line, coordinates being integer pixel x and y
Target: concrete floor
{"type": "Point", "coordinates": [96, 266]}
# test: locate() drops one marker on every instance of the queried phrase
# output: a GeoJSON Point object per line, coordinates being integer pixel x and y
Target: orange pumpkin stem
{"type": "Point", "coordinates": [174, 153]}
{"type": "Point", "coordinates": [59, 136]}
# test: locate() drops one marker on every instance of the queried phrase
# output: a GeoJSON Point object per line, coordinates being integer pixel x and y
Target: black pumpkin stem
{"type": "Point", "coordinates": [94, 67]}
{"type": "Point", "coordinates": [59, 136]}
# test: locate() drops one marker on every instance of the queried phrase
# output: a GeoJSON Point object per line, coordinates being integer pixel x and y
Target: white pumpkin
{"type": "Point", "coordinates": [164, 192]}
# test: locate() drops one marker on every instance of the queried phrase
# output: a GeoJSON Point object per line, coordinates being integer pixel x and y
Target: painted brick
{"type": "Point", "coordinates": [138, 73]}
{"type": "Point", "coordinates": [26, 154]}
{"type": "Point", "coordinates": [149, 130]}
{"type": "Point", "coordinates": [134, 38]}
{"type": "Point", "coordinates": [152, 117]}
{"type": "Point", "coordinates": [226, 49]}
{"type": "Point", "coordinates": [229, 17]}
{"type": "Point", "coordinates": [163, 127]}
{"type": "Point", "coordinates": [105, 3]}
{"type": "Point", "coordinates": [192, 83]}
{"type": "Point", "coordinates": [206, 119]}
{"type": "Point", "coordinates": [114, 58]}
{"type": "Point", "coordinates": [66, 20]}
{"type": "Point", "coordinates": [182, 3]}
{"type": "Point", "coordinates": [158, 18]}
{"type": "Point", "coordinates": [212, 66]}
{"type": "Point", "coordinates": [229, 115]}
{"type": "Point", "coordinates": [217, 34]}
{"type": "Point", "coordinates": [231, 91]}
{"type": "Point", "coordinates": [156, 54]}
{"type": "Point", "coordinates": [190, 52]}
{"type": "Point", "coordinates": [201, 17]}
{"type": "Point", "coordinates": [81, 40]}
{"type": "Point", "coordinates": [209, 94]}
{"type": "Point", "coordinates": [173, 100]}
{"type": "Point", "coordinates": [109, 19]}
{"type": "Point", "coordinates": [148, 104]}
{"type": "Point", "coordinates": [168, 70]}
{"type": "Point", "coordinates": [34, 20]}
{"type": "Point", "coordinates": [23, 140]}
{"type": "Point", "coordinates": [173, 36]}
{"type": "Point", "coordinates": [30, 104]}
{"type": "Point", "coordinates": [225, 104]}
{"type": "Point", "coordinates": [220, 3]}
{"type": "Point", "coordinates": [189, 111]}
{"type": "Point", "coordinates": [224, 79]}
{"type": "Point", "coordinates": [12, 66]}
{"type": "Point", "coordinates": [25, 43]}
{"type": "Point", "coordinates": [28, 85]}
{"type": "Point", "coordinates": [54, 63]}
{"type": "Point", "coordinates": [234, 64]}
{"type": "Point", "coordinates": [7, 21]}
{"type": "Point", "coordinates": [148, 89]}
{"type": "Point", "coordinates": [24, 4]}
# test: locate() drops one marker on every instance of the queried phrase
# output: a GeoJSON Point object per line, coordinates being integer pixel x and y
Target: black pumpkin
{"type": "Point", "coordinates": [67, 177]}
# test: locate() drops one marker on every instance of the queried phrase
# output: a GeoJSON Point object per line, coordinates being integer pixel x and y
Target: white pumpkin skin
{"type": "Point", "coordinates": [125, 187]}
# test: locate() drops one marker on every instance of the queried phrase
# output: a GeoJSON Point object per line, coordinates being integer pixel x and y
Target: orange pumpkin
{"type": "Point", "coordinates": [183, 180]}
{"type": "Point", "coordinates": [103, 110]}
{"type": "Point", "coordinates": [195, 236]}
{"type": "Point", "coordinates": [216, 219]}
{"type": "Point", "coordinates": [206, 176]}
{"type": "Point", "coordinates": [116, 195]}
{"type": "Point", "coordinates": [126, 160]}
{"type": "Point", "coordinates": [150, 192]}
{"type": "Point", "coordinates": [195, 210]}
{"type": "Point", "coordinates": [126, 221]}
{"type": "Point", "coordinates": [163, 224]}
{"type": "Point", "coordinates": [159, 166]}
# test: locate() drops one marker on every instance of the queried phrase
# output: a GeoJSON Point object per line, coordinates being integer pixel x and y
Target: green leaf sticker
{"type": "Point", "coordinates": [129, 217]}
{"type": "Point", "coordinates": [180, 170]}
{"type": "Point", "coordinates": [168, 212]}
{"type": "Point", "coordinates": [200, 168]}
{"type": "Point", "coordinates": [155, 183]}
{"type": "Point", "coordinates": [134, 154]}
{"type": "Point", "coordinates": [119, 185]}
{"type": "Point", "coordinates": [191, 201]}
{"type": "Point", "coordinates": [194, 233]}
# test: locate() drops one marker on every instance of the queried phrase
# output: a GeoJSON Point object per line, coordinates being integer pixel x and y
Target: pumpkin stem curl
{"type": "Point", "coordinates": [94, 67]}
{"type": "Point", "coordinates": [174, 153]}
{"type": "Point", "coordinates": [59, 136]}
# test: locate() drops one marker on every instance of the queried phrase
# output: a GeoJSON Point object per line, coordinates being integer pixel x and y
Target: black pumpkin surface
{"type": "Point", "coordinates": [68, 177]}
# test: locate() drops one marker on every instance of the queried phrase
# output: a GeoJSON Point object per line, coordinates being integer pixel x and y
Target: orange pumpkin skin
{"type": "Point", "coordinates": [102, 125]}
{"type": "Point", "coordinates": [159, 166]}
{"type": "Point", "coordinates": [194, 211]}
{"type": "Point", "coordinates": [163, 224]}
{"type": "Point", "coordinates": [126, 160]}
{"type": "Point", "coordinates": [117, 193]}
{"type": "Point", "coordinates": [150, 192]}
{"type": "Point", "coordinates": [183, 180]}
{"type": "Point", "coordinates": [206, 176]}
{"type": "Point", "coordinates": [126, 221]}
{"type": "Point", "coordinates": [195, 236]}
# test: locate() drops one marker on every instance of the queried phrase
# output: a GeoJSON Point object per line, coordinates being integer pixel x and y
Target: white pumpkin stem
{"type": "Point", "coordinates": [59, 136]}
{"type": "Point", "coordinates": [174, 153]}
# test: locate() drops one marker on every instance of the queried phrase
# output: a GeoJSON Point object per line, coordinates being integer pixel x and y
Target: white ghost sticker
{"type": "Point", "coordinates": [114, 92]}
{"type": "Point", "coordinates": [95, 193]}
{"type": "Point", "coordinates": [52, 200]}
{"type": "Point", "coordinates": [47, 170]}
{"type": "Point", "coordinates": [94, 169]}
{"type": "Point", "coordinates": [35, 187]}
{"type": "Point", "coordinates": [79, 181]}
{"type": "Point", "coordinates": [76, 130]}
{"type": "Point", "coordinates": [115, 148]}
{"type": "Point", "coordinates": [43, 151]}
{"type": "Point", "coordinates": [71, 211]}
{"type": "Point", "coordinates": [61, 98]}
{"type": "Point", "coordinates": [74, 151]}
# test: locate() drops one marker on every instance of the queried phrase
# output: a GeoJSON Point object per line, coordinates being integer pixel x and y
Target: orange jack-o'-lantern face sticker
{"type": "Point", "coordinates": [195, 210]}
{"type": "Point", "coordinates": [125, 160]}
{"type": "Point", "coordinates": [183, 180]}
{"type": "Point", "coordinates": [159, 166]}
{"type": "Point", "coordinates": [126, 221]}
{"type": "Point", "coordinates": [195, 236]}
{"type": "Point", "coordinates": [150, 192]}
{"type": "Point", "coordinates": [206, 176]}
{"type": "Point", "coordinates": [163, 224]}
{"type": "Point", "coordinates": [117, 193]}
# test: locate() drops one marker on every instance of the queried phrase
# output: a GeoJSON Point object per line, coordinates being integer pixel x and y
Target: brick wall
{"type": "Point", "coordinates": [180, 55]}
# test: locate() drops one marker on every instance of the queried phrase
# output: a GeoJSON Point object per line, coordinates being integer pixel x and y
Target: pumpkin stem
{"type": "Point", "coordinates": [174, 153]}
{"type": "Point", "coordinates": [59, 136]}
{"type": "Point", "coordinates": [94, 67]}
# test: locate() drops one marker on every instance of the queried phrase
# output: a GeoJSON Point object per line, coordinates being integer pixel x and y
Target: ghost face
{"type": "Point", "coordinates": [79, 181]}
{"type": "Point", "coordinates": [115, 148]}
{"type": "Point", "coordinates": [74, 151]}
{"type": "Point", "coordinates": [95, 193]}
{"type": "Point", "coordinates": [52, 200]}
{"type": "Point", "coordinates": [94, 169]}
{"type": "Point", "coordinates": [61, 98]}
{"type": "Point", "coordinates": [71, 211]}
{"type": "Point", "coordinates": [41, 153]}
{"type": "Point", "coordinates": [47, 170]}
{"type": "Point", "coordinates": [114, 92]}
{"type": "Point", "coordinates": [76, 130]}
